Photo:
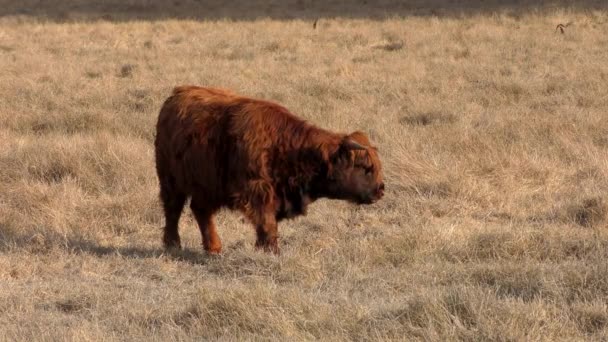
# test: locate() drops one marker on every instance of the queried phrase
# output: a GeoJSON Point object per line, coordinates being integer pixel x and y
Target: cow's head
{"type": "Point", "coordinates": [355, 172]}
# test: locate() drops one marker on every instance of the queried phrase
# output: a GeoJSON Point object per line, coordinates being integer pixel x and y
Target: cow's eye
{"type": "Point", "coordinates": [368, 170]}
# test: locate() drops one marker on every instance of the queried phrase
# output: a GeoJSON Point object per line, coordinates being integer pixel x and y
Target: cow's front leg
{"type": "Point", "coordinates": [267, 234]}
{"type": "Point", "coordinates": [261, 209]}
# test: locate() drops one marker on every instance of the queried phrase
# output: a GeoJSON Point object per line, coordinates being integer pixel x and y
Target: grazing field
{"type": "Point", "coordinates": [493, 131]}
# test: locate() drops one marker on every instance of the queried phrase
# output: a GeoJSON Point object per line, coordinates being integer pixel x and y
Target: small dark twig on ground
{"type": "Point", "coordinates": [561, 27]}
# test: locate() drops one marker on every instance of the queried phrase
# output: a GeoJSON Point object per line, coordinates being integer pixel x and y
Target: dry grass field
{"type": "Point", "coordinates": [492, 127]}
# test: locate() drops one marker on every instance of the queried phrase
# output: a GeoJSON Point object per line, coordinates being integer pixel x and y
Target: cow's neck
{"type": "Point", "coordinates": [306, 166]}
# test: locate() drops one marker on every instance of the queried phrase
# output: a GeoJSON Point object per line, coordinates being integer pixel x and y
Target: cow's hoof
{"type": "Point", "coordinates": [268, 247]}
{"type": "Point", "coordinates": [214, 251]}
{"type": "Point", "coordinates": [172, 243]}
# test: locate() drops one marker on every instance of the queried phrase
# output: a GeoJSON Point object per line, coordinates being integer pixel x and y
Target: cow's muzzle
{"type": "Point", "coordinates": [374, 196]}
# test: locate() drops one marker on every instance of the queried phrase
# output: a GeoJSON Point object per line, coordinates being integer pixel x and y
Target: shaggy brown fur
{"type": "Point", "coordinates": [226, 150]}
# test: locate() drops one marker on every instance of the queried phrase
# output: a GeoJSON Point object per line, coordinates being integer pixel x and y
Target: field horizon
{"type": "Point", "coordinates": [490, 123]}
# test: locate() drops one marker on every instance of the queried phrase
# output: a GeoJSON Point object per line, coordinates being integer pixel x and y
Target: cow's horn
{"type": "Point", "coordinates": [353, 145]}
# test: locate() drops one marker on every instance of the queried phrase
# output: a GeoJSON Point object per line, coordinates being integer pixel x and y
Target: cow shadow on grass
{"type": "Point", "coordinates": [45, 243]}
{"type": "Point", "coordinates": [212, 10]}
{"type": "Point", "coordinates": [135, 252]}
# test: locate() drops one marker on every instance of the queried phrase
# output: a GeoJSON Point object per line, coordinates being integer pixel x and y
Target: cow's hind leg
{"type": "Point", "coordinates": [204, 218]}
{"type": "Point", "coordinates": [173, 204]}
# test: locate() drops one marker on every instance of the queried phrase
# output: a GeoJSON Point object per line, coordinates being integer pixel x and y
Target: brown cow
{"type": "Point", "coordinates": [226, 150]}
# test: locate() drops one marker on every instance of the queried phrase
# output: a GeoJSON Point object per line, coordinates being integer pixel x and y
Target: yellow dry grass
{"type": "Point", "coordinates": [492, 128]}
